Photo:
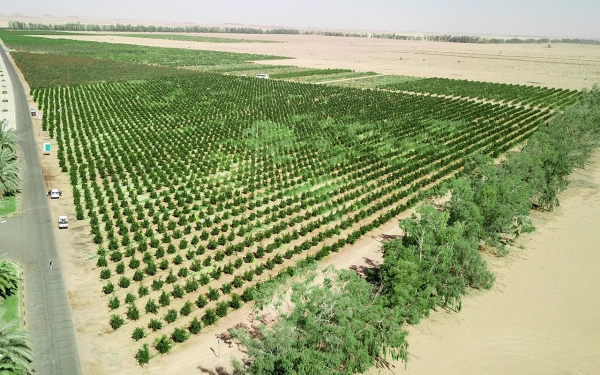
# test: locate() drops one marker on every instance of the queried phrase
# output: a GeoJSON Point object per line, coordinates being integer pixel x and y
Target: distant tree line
{"type": "Point", "coordinates": [78, 26]}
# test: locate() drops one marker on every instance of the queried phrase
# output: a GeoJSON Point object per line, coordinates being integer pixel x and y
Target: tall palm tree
{"type": "Point", "coordinates": [8, 139]}
{"type": "Point", "coordinates": [15, 348]}
{"type": "Point", "coordinates": [9, 172]}
{"type": "Point", "coordinates": [8, 279]}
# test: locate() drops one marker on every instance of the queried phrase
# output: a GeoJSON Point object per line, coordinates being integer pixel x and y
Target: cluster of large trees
{"type": "Point", "coordinates": [9, 166]}
{"type": "Point", "coordinates": [336, 322]}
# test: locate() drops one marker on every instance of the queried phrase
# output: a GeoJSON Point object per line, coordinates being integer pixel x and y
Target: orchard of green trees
{"type": "Point", "coordinates": [335, 322]}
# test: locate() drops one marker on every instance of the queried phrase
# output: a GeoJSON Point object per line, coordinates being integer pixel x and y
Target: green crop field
{"type": "Point", "coordinates": [46, 70]}
{"type": "Point", "coordinates": [196, 188]}
{"type": "Point", "coordinates": [125, 53]}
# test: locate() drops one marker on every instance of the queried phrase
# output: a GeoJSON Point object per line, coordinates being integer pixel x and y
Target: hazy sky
{"type": "Point", "coordinates": [555, 18]}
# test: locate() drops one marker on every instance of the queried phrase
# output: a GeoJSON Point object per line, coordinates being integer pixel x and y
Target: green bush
{"type": "Point", "coordinates": [236, 301]}
{"type": "Point", "coordinates": [105, 274]}
{"type": "Point", "coordinates": [155, 324]}
{"type": "Point", "coordinates": [195, 326]}
{"type": "Point", "coordinates": [143, 291]}
{"type": "Point", "coordinates": [108, 288]}
{"type": "Point", "coordinates": [201, 301]}
{"type": "Point", "coordinates": [171, 316]}
{"type": "Point", "coordinates": [209, 317]}
{"type": "Point", "coordinates": [138, 333]}
{"type": "Point", "coordinates": [129, 298]}
{"type": "Point", "coordinates": [213, 294]}
{"type": "Point", "coordinates": [151, 306]}
{"type": "Point", "coordinates": [124, 282]}
{"type": "Point", "coordinates": [222, 308]}
{"type": "Point", "coordinates": [164, 299]}
{"type": "Point", "coordinates": [180, 335]}
{"type": "Point", "coordinates": [163, 344]}
{"type": "Point", "coordinates": [143, 355]}
{"type": "Point", "coordinates": [186, 309]}
{"type": "Point", "coordinates": [132, 312]}
{"type": "Point", "coordinates": [114, 303]}
{"type": "Point", "coordinates": [116, 321]}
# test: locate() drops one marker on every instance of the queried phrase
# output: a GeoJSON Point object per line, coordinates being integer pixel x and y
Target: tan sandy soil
{"type": "Point", "coordinates": [541, 316]}
{"type": "Point", "coordinates": [572, 66]}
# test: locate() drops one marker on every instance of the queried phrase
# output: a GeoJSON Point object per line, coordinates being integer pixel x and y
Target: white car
{"type": "Point", "coordinates": [54, 193]}
{"type": "Point", "coordinates": [63, 222]}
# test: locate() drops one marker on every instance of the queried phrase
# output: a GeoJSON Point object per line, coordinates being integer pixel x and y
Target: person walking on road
{"type": "Point", "coordinates": [51, 264]}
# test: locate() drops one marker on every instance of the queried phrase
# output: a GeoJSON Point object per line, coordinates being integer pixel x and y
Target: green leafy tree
{"type": "Point", "coordinates": [155, 324]}
{"type": "Point", "coordinates": [424, 268]}
{"type": "Point", "coordinates": [132, 312]}
{"type": "Point", "coordinates": [180, 335]}
{"type": "Point", "coordinates": [151, 306]}
{"type": "Point", "coordinates": [210, 317]}
{"type": "Point", "coordinates": [138, 333]}
{"type": "Point", "coordinates": [503, 199]}
{"type": "Point", "coordinates": [143, 355]}
{"type": "Point", "coordinates": [171, 316]}
{"type": "Point", "coordinates": [116, 321]}
{"type": "Point", "coordinates": [195, 326]}
{"type": "Point", "coordinates": [338, 326]}
{"type": "Point", "coordinates": [163, 344]}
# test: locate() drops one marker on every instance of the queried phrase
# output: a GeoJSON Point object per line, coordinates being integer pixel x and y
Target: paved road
{"type": "Point", "coordinates": [29, 239]}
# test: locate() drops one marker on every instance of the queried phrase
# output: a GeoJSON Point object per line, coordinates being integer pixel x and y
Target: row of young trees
{"type": "Point", "coordinates": [336, 322]}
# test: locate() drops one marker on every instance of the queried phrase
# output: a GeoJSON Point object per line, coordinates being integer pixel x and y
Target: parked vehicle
{"type": "Point", "coordinates": [63, 222]}
{"type": "Point", "coordinates": [33, 113]}
{"type": "Point", "coordinates": [262, 76]}
{"type": "Point", "coordinates": [54, 193]}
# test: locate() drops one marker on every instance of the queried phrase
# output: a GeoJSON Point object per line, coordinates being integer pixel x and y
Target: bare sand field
{"type": "Point", "coordinates": [571, 66]}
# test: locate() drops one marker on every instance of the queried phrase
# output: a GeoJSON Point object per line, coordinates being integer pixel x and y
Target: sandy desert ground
{"type": "Point", "coordinates": [541, 317]}
{"type": "Point", "coordinates": [571, 66]}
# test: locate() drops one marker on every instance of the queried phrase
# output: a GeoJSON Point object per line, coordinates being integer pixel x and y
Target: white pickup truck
{"type": "Point", "coordinates": [54, 193]}
{"type": "Point", "coordinates": [63, 222]}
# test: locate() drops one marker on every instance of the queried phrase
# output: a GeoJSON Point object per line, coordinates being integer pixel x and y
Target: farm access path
{"type": "Point", "coordinates": [28, 238]}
